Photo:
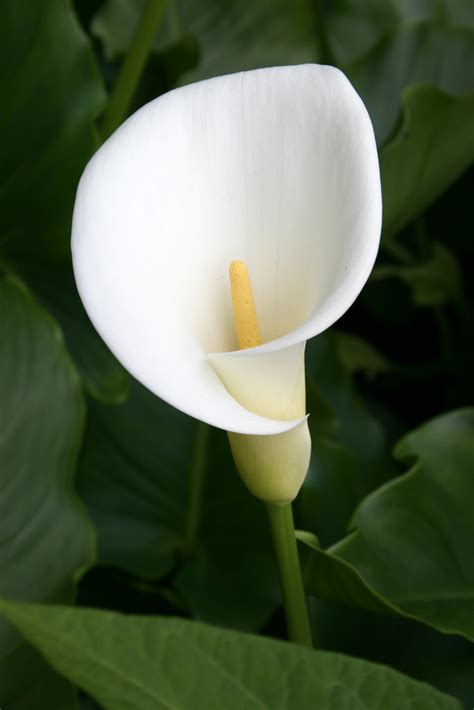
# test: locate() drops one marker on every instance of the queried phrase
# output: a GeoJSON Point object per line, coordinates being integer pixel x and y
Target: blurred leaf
{"type": "Point", "coordinates": [420, 54]}
{"type": "Point", "coordinates": [232, 36]}
{"type": "Point", "coordinates": [45, 538]}
{"type": "Point", "coordinates": [358, 355]}
{"type": "Point", "coordinates": [85, 10]}
{"type": "Point", "coordinates": [433, 283]}
{"type": "Point", "coordinates": [55, 288]}
{"type": "Point", "coordinates": [27, 682]}
{"type": "Point", "coordinates": [356, 26]}
{"type": "Point", "coordinates": [433, 146]}
{"type": "Point", "coordinates": [350, 455]}
{"type": "Point", "coordinates": [51, 95]}
{"type": "Point", "coordinates": [385, 46]}
{"type": "Point", "coordinates": [237, 35]}
{"type": "Point", "coordinates": [141, 663]}
{"type": "Point", "coordinates": [414, 60]}
{"type": "Point", "coordinates": [410, 551]}
{"type": "Point", "coordinates": [135, 477]}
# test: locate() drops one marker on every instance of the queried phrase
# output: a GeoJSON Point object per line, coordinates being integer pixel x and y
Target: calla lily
{"type": "Point", "coordinates": [275, 167]}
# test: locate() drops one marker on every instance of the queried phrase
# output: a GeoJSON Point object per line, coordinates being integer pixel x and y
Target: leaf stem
{"type": "Point", "coordinates": [196, 488]}
{"type": "Point", "coordinates": [289, 570]}
{"type": "Point", "coordinates": [132, 67]}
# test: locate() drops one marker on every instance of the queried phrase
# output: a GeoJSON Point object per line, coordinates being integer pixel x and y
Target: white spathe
{"type": "Point", "coordinates": [275, 167]}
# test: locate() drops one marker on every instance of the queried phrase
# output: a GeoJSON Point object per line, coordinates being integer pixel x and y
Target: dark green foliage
{"type": "Point", "coordinates": [45, 537]}
{"type": "Point", "coordinates": [385, 528]}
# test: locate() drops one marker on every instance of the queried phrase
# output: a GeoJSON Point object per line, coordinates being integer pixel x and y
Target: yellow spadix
{"type": "Point", "coordinates": [245, 314]}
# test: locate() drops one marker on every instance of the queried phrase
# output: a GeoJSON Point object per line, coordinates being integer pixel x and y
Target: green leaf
{"type": "Point", "coordinates": [330, 577]}
{"type": "Point", "coordinates": [27, 682]}
{"type": "Point", "coordinates": [136, 477]}
{"type": "Point", "coordinates": [358, 355]}
{"type": "Point", "coordinates": [413, 65]}
{"type": "Point", "coordinates": [45, 538]}
{"type": "Point", "coordinates": [232, 36]}
{"type": "Point", "coordinates": [141, 663]}
{"type": "Point", "coordinates": [385, 46]}
{"type": "Point", "coordinates": [433, 283]}
{"type": "Point", "coordinates": [433, 146]}
{"type": "Point", "coordinates": [424, 54]}
{"type": "Point", "coordinates": [349, 448]}
{"type": "Point", "coordinates": [410, 551]}
{"type": "Point", "coordinates": [51, 96]}
{"type": "Point", "coordinates": [133, 476]}
{"type": "Point", "coordinates": [356, 26]}
{"type": "Point", "coordinates": [408, 646]}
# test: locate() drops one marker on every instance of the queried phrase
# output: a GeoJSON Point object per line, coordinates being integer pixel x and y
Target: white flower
{"type": "Point", "coordinates": [276, 167]}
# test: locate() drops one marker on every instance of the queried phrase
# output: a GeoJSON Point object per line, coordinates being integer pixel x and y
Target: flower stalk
{"type": "Point", "coordinates": [289, 571]}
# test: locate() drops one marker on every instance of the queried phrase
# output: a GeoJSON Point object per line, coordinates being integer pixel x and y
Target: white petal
{"type": "Point", "coordinates": [272, 384]}
{"type": "Point", "coordinates": [277, 167]}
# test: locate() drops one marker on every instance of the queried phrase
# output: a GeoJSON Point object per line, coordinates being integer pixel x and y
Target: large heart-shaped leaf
{"type": "Point", "coordinates": [146, 663]}
{"type": "Point", "coordinates": [51, 95]}
{"type": "Point", "coordinates": [44, 536]}
{"type": "Point", "coordinates": [410, 552]}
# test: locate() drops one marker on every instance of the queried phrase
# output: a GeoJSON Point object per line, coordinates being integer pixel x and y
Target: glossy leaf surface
{"type": "Point", "coordinates": [45, 538]}
{"type": "Point", "coordinates": [410, 549]}
{"type": "Point", "coordinates": [138, 663]}
{"type": "Point", "coordinates": [51, 94]}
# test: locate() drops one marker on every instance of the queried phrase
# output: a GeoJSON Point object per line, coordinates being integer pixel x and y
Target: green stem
{"type": "Point", "coordinates": [132, 67]}
{"type": "Point", "coordinates": [196, 488]}
{"type": "Point", "coordinates": [289, 570]}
